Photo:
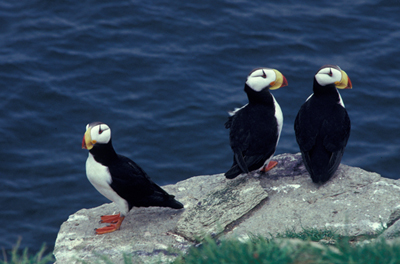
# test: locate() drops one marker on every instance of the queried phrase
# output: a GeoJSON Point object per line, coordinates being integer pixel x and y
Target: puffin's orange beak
{"type": "Point", "coordinates": [84, 143]}
{"type": "Point", "coordinates": [285, 82]}
{"type": "Point", "coordinates": [349, 85]}
{"type": "Point", "coordinates": [345, 82]}
{"type": "Point", "coordinates": [87, 142]}
{"type": "Point", "coordinates": [279, 82]}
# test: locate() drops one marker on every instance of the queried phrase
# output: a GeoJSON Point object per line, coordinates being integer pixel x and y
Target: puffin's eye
{"type": "Point", "coordinates": [100, 131]}
{"type": "Point", "coordinates": [264, 75]}
{"type": "Point", "coordinates": [330, 72]}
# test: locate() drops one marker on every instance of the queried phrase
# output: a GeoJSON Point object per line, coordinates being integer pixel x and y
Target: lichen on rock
{"type": "Point", "coordinates": [220, 207]}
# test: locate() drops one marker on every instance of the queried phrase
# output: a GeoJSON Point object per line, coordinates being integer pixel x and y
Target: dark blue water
{"type": "Point", "coordinates": [163, 75]}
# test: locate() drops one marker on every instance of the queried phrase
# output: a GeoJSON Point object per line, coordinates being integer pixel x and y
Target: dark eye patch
{"type": "Point", "coordinates": [264, 74]}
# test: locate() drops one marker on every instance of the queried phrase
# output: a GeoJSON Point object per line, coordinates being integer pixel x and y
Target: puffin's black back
{"type": "Point", "coordinates": [253, 132]}
{"type": "Point", "coordinates": [130, 181]}
{"type": "Point", "coordinates": [136, 187]}
{"type": "Point", "coordinates": [322, 129]}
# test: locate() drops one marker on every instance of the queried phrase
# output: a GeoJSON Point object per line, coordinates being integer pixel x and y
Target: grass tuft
{"type": "Point", "coordinates": [17, 258]}
{"type": "Point", "coordinates": [308, 246]}
{"type": "Point", "coordinates": [293, 248]}
{"type": "Point", "coordinates": [311, 234]}
{"type": "Point", "coordinates": [256, 250]}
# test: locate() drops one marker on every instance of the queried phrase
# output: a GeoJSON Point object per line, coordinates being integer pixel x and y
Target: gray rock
{"type": "Point", "coordinates": [220, 207]}
{"type": "Point", "coordinates": [354, 202]}
{"type": "Point", "coordinates": [393, 231]}
{"type": "Point", "coordinates": [394, 216]}
{"type": "Point", "coordinates": [144, 234]}
{"type": "Point", "coordinates": [150, 234]}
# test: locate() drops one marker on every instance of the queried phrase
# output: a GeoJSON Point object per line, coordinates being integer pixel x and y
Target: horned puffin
{"type": "Point", "coordinates": [255, 128]}
{"type": "Point", "coordinates": [322, 125]}
{"type": "Point", "coordinates": [118, 178]}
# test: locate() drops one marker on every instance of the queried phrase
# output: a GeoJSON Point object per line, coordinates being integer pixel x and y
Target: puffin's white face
{"type": "Point", "coordinates": [96, 133]}
{"type": "Point", "coordinates": [262, 78]}
{"type": "Point", "coordinates": [330, 74]}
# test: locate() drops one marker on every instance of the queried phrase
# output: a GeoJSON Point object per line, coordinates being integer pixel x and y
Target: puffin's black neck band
{"type": "Point", "coordinates": [104, 153]}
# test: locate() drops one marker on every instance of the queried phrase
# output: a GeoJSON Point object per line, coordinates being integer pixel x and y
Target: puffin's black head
{"type": "Point", "coordinates": [96, 133]}
{"type": "Point", "coordinates": [265, 78]}
{"type": "Point", "coordinates": [333, 75]}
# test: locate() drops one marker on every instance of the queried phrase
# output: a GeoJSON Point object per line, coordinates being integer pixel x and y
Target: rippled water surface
{"type": "Point", "coordinates": [163, 75]}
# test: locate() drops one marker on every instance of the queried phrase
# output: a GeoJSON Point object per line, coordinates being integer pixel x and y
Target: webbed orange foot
{"type": "Point", "coordinates": [270, 165]}
{"type": "Point", "coordinates": [112, 227]}
{"type": "Point", "coordinates": [110, 218]}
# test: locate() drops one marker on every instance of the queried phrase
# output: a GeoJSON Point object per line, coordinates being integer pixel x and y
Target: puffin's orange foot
{"type": "Point", "coordinates": [110, 228]}
{"type": "Point", "coordinates": [110, 218]}
{"type": "Point", "coordinates": [270, 165]}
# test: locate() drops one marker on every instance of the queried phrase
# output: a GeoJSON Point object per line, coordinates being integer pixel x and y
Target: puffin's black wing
{"type": "Point", "coordinates": [256, 161]}
{"type": "Point", "coordinates": [228, 123]}
{"type": "Point", "coordinates": [322, 141]}
{"type": "Point", "coordinates": [239, 140]}
{"type": "Point", "coordinates": [336, 130]}
{"type": "Point", "coordinates": [135, 186]}
{"type": "Point", "coordinates": [337, 133]}
{"type": "Point", "coordinates": [305, 129]}
{"type": "Point", "coordinates": [250, 145]}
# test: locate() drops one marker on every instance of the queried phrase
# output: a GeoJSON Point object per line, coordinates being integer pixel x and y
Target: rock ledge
{"type": "Point", "coordinates": [354, 202]}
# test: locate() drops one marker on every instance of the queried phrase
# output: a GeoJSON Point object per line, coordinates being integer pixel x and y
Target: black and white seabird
{"type": "Point", "coordinates": [322, 125]}
{"type": "Point", "coordinates": [118, 178]}
{"type": "Point", "coordinates": [256, 127]}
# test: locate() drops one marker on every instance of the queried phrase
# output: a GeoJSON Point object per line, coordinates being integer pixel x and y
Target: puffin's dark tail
{"type": "Point", "coordinates": [233, 172]}
{"type": "Point", "coordinates": [171, 202]}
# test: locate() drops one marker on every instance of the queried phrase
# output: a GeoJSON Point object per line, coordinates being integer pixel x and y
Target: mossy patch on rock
{"type": "Point", "coordinates": [220, 207]}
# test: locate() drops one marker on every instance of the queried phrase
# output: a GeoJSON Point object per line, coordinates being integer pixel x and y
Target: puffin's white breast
{"type": "Point", "coordinates": [279, 118]}
{"type": "Point", "coordinates": [341, 100]}
{"type": "Point", "coordinates": [100, 177]}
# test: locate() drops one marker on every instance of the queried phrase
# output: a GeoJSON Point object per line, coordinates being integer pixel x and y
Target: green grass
{"type": "Point", "coordinates": [284, 251]}
{"type": "Point", "coordinates": [18, 257]}
{"type": "Point", "coordinates": [309, 246]}
{"type": "Point", "coordinates": [294, 248]}
{"type": "Point", "coordinates": [311, 234]}
{"type": "Point", "coordinates": [234, 251]}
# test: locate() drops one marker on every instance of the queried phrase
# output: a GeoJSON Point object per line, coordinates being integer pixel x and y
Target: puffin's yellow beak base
{"type": "Point", "coordinates": [280, 81]}
{"type": "Point", "coordinates": [345, 82]}
{"type": "Point", "coordinates": [87, 142]}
